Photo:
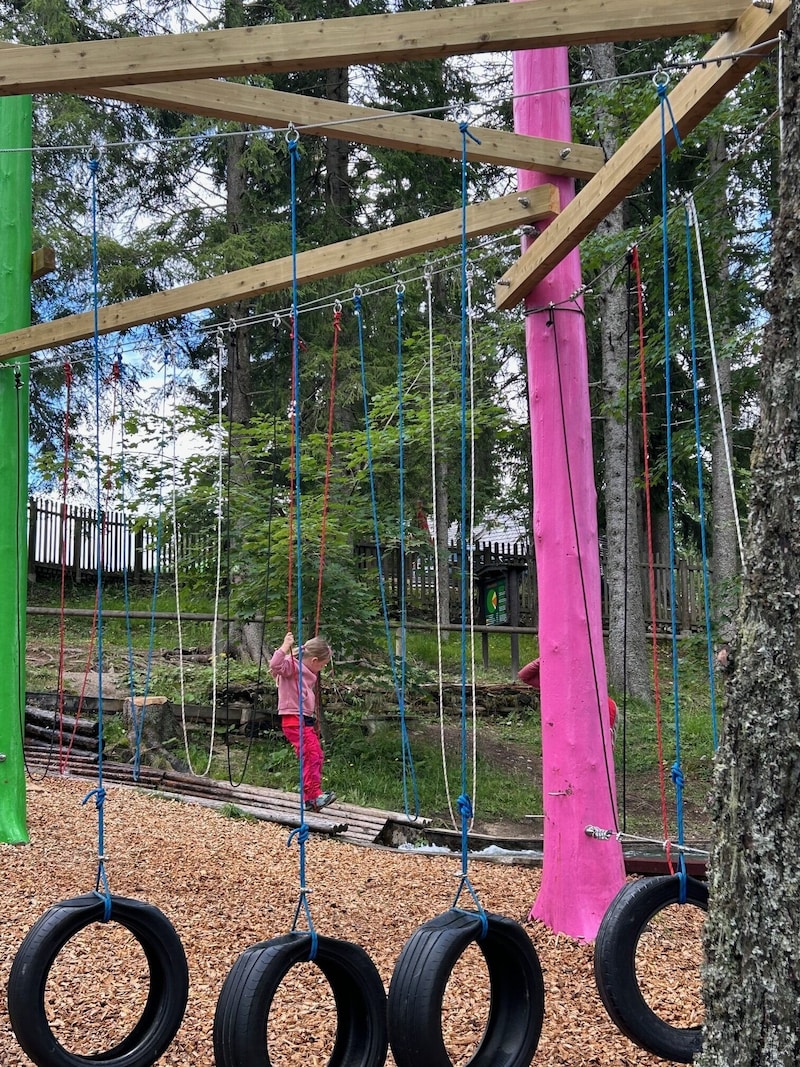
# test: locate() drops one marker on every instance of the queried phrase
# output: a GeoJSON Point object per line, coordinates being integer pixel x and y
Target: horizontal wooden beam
{"type": "Point", "coordinates": [387, 38]}
{"type": "Point", "coordinates": [691, 100]}
{"type": "Point", "coordinates": [434, 137]}
{"type": "Point", "coordinates": [504, 213]}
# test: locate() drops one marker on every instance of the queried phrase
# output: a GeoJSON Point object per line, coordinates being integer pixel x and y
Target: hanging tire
{"type": "Point", "coordinates": [615, 965]}
{"type": "Point", "coordinates": [416, 992]}
{"type": "Point", "coordinates": [167, 994]}
{"type": "Point", "coordinates": [240, 1021]}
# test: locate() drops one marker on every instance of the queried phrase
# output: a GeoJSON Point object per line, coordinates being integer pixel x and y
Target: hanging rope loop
{"type": "Point", "coordinates": [661, 80]}
{"type": "Point", "coordinates": [292, 137]}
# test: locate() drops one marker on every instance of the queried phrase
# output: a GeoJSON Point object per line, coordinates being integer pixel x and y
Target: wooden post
{"type": "Point", "coordinates": [15, 313]}
{"type": "Point", "coordinates": [77, 539]}
{"type": "Point", "coordinates": [580, 874]}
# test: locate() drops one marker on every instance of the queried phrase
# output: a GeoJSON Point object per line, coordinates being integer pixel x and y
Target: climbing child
{"type": "Point", "coordinates": [531, 675]}
{"type": "Point", "coordinates": [286, 669]}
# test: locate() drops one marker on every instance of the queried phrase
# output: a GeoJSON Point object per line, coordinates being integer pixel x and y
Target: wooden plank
{"type": "Point", "coordinates": [489, 217]}
{"type": "Point", "coordinates": [691, 100]}
{"type": "Point", "coordinates": [386, 38]}
{"type": "Point", "coordinates": [43, 261]}
{"type": "Point", "coordinates": [434, 137]}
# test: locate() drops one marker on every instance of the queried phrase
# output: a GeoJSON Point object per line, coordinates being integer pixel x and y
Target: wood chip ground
{"type": "Point", "coordinates": [226, 884]}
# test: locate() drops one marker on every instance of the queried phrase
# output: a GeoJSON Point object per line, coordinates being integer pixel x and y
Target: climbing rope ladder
{"type": "Point", "coordinates": [425, 964]}
{"type": "Point", "coordinates": [240, 1020]}
{"type": "Point", "coordinates": [166, 1001]}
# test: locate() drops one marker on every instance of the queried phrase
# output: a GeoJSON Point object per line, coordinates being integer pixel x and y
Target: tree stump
{"type": "Point", "coordinates": [151, 728]}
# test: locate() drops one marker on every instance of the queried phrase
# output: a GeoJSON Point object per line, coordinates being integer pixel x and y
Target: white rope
{"type": "Point", "coordinates": [692, 212]}
{"type": "Point", "coordinates": [435, 517]}
{"type": "Point", "coordinates": [220, 503]}
{"type": "Point", "coordinates": [179, 619]}
{"type": "Point", "coordinates": [471, 356]}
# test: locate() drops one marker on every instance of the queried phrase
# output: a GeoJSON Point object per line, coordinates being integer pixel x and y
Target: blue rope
{"type": "Point", "coordinates": [464, 802]}
{"type": "Point", "coordinates": [409, 771]}
{"type": "Point", "coordinates": [302, 833]}
{"type": "Point", "coordinates": [677, 774]}
{"type": "Point", "coordinates": [701, 494]}
{"type": "Point", "coordinates": [99, 793]}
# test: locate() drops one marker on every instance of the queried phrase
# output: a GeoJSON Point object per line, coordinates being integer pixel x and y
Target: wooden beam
{"type": "Point", "coordinates": [43, 261]}
{"type": "Point", "coordinates": [691, 100]}
{"type": "Point", "coordinates": [504, 213]}
{"type": "Point", "coordinates": [389, 129]}
{"type": "Point", "coordinates": [388, 38]}
{"type": "Point", "coordinates": [434, 137]}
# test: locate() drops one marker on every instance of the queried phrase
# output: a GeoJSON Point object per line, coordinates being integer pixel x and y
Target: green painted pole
{"type": "Point", "coordinates": [15, 312]}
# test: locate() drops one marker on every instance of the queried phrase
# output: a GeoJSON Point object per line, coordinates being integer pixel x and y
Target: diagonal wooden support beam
{"type": "Point", "coordinates": [691, 100]}
{"type": "Point", "coordinates": [434, 137]}
{"type": "Point", "coordinates": [504, 213]}
{"type": "Point", "coordinates": [388, 38]}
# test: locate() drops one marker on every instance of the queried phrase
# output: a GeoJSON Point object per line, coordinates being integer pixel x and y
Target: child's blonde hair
{"type": "Point", "coordinates": [317, 647]}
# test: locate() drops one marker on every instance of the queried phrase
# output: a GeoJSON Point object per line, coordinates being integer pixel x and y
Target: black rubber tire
{"type": "Point", "coordinates": [615, 965]}
{"type": "Point", "coordinates": [416, 992]}
{"type": "Point", "coordinates": [240, 1021]}
{"type": "Point", "coordinates": [166, 998]}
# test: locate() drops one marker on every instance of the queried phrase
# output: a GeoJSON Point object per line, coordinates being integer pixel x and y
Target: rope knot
{"type": "Point", "coordinates": [302, 834]}
{"type": "Point", "coordinates": [464, 128]}
{"type": "Point", "coordinates": [676, 774]}
{"type": "Point", "coordinates": [465, 806]}
{"type": "Point", "coordinates": [99, 795]}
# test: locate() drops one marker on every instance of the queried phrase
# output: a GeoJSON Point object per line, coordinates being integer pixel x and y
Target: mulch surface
{"type": "Point", "coordinates": [226, 884]}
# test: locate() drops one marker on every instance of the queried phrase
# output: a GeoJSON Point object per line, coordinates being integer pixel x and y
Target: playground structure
{"type": "Point", "coordinates": [125, 70]}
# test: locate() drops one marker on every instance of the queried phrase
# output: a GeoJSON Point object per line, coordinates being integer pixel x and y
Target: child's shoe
{"type": "Point", "coordinates": [322, 801]}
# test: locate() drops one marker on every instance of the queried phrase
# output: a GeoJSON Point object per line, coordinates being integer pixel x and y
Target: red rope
{"type": "Point", "coordinates": [68, 378]}
{"type": "Point", "coordinates": [337, 326]}
{"type": "Point", "coordinates": [651, 561]}
{"type": "Point", "coordinates": [292, 475]}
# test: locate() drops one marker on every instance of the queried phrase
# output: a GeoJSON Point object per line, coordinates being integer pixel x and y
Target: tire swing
{"type": "Point", "coordinates": [241, 1018]}
{"type": "Point", "coordinates": [416, 992]}
{"type": "Point", "coordinates": [615, 963]}
{"type": "Point", "coordinates": [168, 989]}
{"type": "Point", "coordinates": [428, 958]}
{"type": "Point", "coordinates": [166, 999]}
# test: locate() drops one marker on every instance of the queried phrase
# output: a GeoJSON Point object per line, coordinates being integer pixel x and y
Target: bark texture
{"type": "Point", "coordinates": [628, 665]}
{"type": "Point", "coordinates": [752, 975]}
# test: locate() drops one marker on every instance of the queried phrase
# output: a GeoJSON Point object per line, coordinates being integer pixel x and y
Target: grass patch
{"type": "Point", "coordinates": [374, 770]}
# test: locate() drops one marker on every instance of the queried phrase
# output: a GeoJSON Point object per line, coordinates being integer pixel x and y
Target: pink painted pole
{"type": "Point", "coordinates": [581, 874]}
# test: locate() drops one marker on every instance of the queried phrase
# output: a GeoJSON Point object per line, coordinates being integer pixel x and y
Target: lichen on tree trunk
{"type": "Point", "coordinates": [752, 934]}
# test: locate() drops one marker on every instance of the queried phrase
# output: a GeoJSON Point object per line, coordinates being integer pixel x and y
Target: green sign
{"type": "Point", "coordinates": [495, 603]}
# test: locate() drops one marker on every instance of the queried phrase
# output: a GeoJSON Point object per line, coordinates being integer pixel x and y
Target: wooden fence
{"type": "Point", "coordinates": [68, 536]}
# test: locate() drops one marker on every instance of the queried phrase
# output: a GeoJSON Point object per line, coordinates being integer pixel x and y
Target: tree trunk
{"type": "Point", "coordinates": [628, 666]}
{"type": "Point", "coordinates": [752, 980]}
{"type": "Point", "coordinates": [725, 561]}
